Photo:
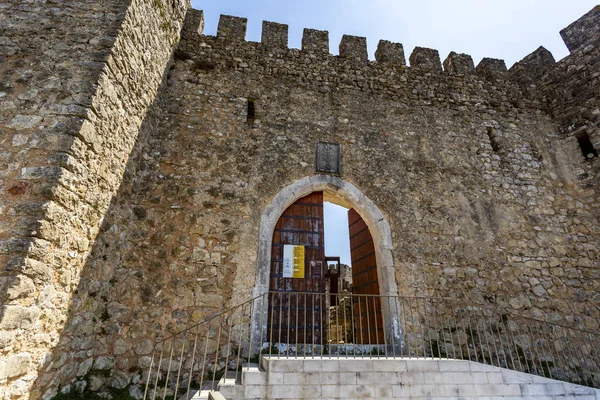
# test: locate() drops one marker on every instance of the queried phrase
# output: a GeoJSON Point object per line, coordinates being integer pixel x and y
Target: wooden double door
{"type": "Point", "coordinates": [298, 302]}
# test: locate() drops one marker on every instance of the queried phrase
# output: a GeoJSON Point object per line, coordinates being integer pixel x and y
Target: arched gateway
{"type": "Point", "coordinates": [306, 194]}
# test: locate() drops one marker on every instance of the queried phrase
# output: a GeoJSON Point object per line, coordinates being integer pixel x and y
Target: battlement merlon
{"type": "Point", "coordinates": [274, 35]}
{"type": "Point", "coordinates": [390, 52]}
{"type": "Point", "coordinates": [194, 23]}
{"type": "Point", "coordinates": [492, 69]}
{"type": "Point", "coordinates": [232, 29]}
{"type": "Point", "coordinates": [355, 48]}
{"type": "Point", "coordinates": [315, 41]}
{"type": "Point", "coordinates": [532, 68]}
{"type": "Point", "coordinates": [426, 59]}
{"type": "Point", "coordinates": [460, 64]}
{"type": "Point", "coordinates": [583, 32]}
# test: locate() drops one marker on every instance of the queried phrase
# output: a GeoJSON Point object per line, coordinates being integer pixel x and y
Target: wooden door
{"type": "Point", "coordinates": [297, 306]}
{"type": "Point", "coordinates": [368, 319]}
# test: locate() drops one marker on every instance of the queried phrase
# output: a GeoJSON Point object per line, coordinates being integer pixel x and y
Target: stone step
{"type": "Point", "coordinates": [214, 395]}
{"type": "Point", "coordinates": [340, 378]}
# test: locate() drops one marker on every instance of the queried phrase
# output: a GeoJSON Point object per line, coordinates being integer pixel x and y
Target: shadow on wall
{"type": "Point", "coordinates": [149, 273]}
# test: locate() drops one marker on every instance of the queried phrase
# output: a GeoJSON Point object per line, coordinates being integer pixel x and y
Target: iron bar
{"type": "Point", "coordinates": [162, 349]}
{"type": "Point", "coordinates": [192, 363]}
{"type": "Point", "coordinates": [319, 322]}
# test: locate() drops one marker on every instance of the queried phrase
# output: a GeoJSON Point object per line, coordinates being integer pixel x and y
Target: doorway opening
{"type": "Point", "coordinates": [286, 315]}
{"type": "Point", "coordinates": [315, 299]}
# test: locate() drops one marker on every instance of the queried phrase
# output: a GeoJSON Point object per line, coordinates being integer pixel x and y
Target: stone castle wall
{"type": "Point", "coordinates": [158, 200]}
{"type": "Point", "coordinates": [77, 80]}
{"type": "Point", "coordinates": [475, 178]}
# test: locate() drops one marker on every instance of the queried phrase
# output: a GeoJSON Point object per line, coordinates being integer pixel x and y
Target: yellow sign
{"type": "Point", "coordinates": [293, 261]}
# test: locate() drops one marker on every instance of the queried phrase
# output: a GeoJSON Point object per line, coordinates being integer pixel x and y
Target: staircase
{"type": "Point", "coordinates": [380, 378]}
{"type": "Point", "coordinates": [384, 347]}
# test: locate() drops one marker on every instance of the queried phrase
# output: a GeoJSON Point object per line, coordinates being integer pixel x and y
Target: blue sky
{"type": "Point", "coordinates": [506, 29]}
{"type": "Point", "coordinates": [337, 239]}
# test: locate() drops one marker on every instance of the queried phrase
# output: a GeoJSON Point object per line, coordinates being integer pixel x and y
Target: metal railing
{"type": "Point", "coordinates": [295, 324]}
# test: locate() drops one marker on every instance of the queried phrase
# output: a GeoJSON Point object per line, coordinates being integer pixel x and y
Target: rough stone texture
{"type": "Point", "coordinates": [194, 23]}
{"type": "Point", "coordinates": [232, 28]}
{"type": "Point", "coordinates": [426, 59]}
{"type": "Point", "coordinates": [354, 47]}
{"type": "Point", "coordinates": [532, 68]}
{"type": "Point", "coordinates": [274, 35]}
{"type": "Point", "coordinates": [583, 32]}
{"type": "Point", "coordinates": [492, 69]}
{"type": "Point", "coordinates": [571, 88]}
{"type": "Point", "coordinates": [390, 52]}
{"type": "Point", "coordinates": [72, 99]}
{"type": "Point", "coordinates": [459, 64]}
{"type": "Point", "coordinates": [315, 41]}
{"type": "Point", "coordinates": [138, 213]}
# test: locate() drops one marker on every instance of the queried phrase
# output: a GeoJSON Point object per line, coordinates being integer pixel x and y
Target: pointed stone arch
{"type": "Point", "coordinates": [346, 194]}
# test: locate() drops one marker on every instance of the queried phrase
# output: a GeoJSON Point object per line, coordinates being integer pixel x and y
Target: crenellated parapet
{"type": "Point", "coordinates": [353, 52]}
{"type": "Point", "coordinates": [353, 49]}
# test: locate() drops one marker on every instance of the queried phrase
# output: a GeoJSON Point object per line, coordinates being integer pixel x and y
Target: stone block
{"type": "Point", "coordinates": [315, 41]}
{"type": "Point", "coordinates": [459, 63]}
{"type": "Point", "coordinates": [431, 390]}
{"type": "Point", "coordinates": [392, 365]}
{"type": "Point", "coordinates": [256, 377]}
{"type": "Point", "coordinates": [194, 23]}
{"type": "Point", "coordinates": [492, 69]}
{"type": "Point", "coordinates": [293, 391]}
{"type": "Point", "coordinates": [354, 48]}
{"type": "Point", "coordinates": [531, 68]}
{"type": "Point", "coordinates": [21, 122]}
{"type": "Point", "coordinates": [489, 390]}
{"type": "Point", "coordinates": [349, 391]}
{"type": "Point", "coordinates": [542, 389]}
{"type": "Point", "coordinates": [583, 32]}
{"type": "Point", "coordinates": [232, 28]}
{"type": "Point", "coordinates": [38, 271]}
{"type": "Point", "coordinates": [479, 367]}
{"type": "Point", "coordinates": [16, 287]}
{"type": "Point", "coordinates": [495, 377]}
{"type": "Point", "coordinates": [7, 338]}
{"type": "Point", "coordinates": [422, 365]}
{"type": "Point", "coordinates": [453, 365]}
{"type": "Point", "coordinates": [15, 365]}
{"type": "Point", "coordinates": [274, 35]}
{"type": "Point", "coordinates": [255, 392]}
{"type": "Point", "coordinates": [390, 52]}
{"type": "Point", "coordinates": [356, 365]}
{"type": "Point", "coordinates": [321, 365]}
{"type": "Point", "coordinates": [426, 59]}
{"type": "Point", "coordinates": [17, 317]}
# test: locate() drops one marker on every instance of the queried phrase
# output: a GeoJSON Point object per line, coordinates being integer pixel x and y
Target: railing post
{"type": "Point", "coordinates": [394, 331]}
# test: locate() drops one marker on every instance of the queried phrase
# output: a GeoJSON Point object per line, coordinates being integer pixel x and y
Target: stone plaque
{"type": "Point", "coordinates": [329, 157]}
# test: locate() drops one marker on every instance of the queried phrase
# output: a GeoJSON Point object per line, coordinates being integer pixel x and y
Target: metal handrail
{"type": "Point", "coordinates": [307, 324]}
{"type": "Point", "coordinates": [205, 320]}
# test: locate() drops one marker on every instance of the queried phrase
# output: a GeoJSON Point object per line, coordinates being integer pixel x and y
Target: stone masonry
{"type": "Point", "coordinates": [133, 178]}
